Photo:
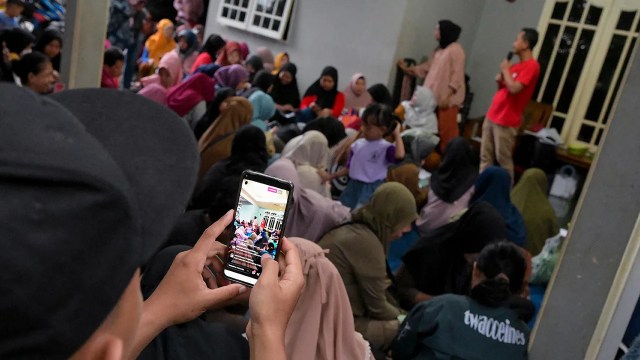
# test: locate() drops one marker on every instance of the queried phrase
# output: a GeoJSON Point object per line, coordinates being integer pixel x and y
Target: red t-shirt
{"type": "Point", "coordinates": [506, 109]}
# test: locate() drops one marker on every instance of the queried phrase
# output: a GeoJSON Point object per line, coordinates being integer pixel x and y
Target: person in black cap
{"type": "Point", "coordinates": [90, 188]}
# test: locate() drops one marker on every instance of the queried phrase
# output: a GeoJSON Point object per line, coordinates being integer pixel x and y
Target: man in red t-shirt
{"type": "Point", "coordinates": [516, 84]}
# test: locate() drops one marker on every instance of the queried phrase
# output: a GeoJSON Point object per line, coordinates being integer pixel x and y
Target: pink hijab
{"type": "Point", "coordinates": [170, 61]}
{"type": "Point", "coordinates": [353, 101]}
{"type": "Point", "coordinates": [184, 97]}
{"type": "Point", "coordinates": [321, 326]}
{"type": "Point", "coordinates": [311, 214]}
{"type": "Point", "coordinates": [155, 92]}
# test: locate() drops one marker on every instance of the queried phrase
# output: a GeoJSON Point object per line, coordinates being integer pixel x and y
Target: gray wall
{"type": "Point", "coordinates": [354, 36]}
{"type": "Point", "coordinates": [500, 23]}
{"type": "Point", "coordinates": [368, 36]}
{"type": "Point", "coordinates": [421, 17]}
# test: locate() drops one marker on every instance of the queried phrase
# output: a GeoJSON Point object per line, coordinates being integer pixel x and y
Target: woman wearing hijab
{"type": "Point", "coordinates": [50, 44]}
{"type": "Point", "coordinates": [380, 94]}
{"type": "Point", "coordinates": [309, 152]}
{"type": "Point", "coordinates": [330, 127]}
{"type": "Point", "coordinates": [17, 41]}
{"type": "Point", "coordinates": [209, 51]}
{"type": "Point", "coordinates": [189, 99]}
{"type": "Point", "coordinates": [187, 49]}
{"type": "Point", "coordinates": [445, 77]}
{"type": "Point", "coordinates": [253, 65]}
{"type": "Point", "coordinates": [322, 98]}
{"type": "Point", "coordinates": [440, 262]}
{"type": "Point", "coordinates": [161, 42]}
{"type": "Point", "coordinates": [281, 59]}
{"type": "Point", "coordinates": [285, 91]}
{"type": "Point", "coordinates": [267, 58]}
{"type": "Point", "coordinates": [233, 76]}
{"type": "Point", "coordinates": [263, 106]}
{"type": "Point", "coordinates": [530, 197]}
{"type": "Point", "coordinates": [321, 326]}
{"type": "Point", "coordinates": [169, 74]}
{"type": "Point", "coordinates": [358, 250]}
{"type": "Point", "coordinates": [230, 55]}
{"type": "Point", "coordinates": [494, 186]}
{"type": "Point", "coordinates": [451, 186]}
{"type": "Point", "coordinates": [248, 152]}
{"type": "Point", "coordinates": [311, 215]}
{"type": "Point", "coordinates": [213, 111]}
{"type": "Point", "coordinates": [356, 96]}
{"type": "Point", "coordinates": [215, 143]}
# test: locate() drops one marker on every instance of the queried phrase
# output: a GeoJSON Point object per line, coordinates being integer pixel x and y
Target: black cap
{"type": "Point", "coordinates": [89, 191]}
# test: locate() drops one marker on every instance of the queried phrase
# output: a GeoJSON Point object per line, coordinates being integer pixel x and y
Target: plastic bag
{"type": "Point", "coordinates": [565, 183]}
{"type": "Point", "coordinates": [543, 264]}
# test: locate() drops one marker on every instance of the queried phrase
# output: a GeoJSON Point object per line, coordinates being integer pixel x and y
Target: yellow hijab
{"type": "Point", "coordinates": [277, 63]}
{"type": "Point", "coordinates": [158, 44]}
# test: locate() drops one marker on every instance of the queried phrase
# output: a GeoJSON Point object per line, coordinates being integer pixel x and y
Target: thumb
{"type": "Point", "coordinates": [218, 297]}
{"type": "Point", "coordinates": [270, 269]}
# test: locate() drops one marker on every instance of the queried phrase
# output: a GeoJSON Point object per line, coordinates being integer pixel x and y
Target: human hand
{"type": "Point", "coordinates": [289, 107]}
{"type": "Point", "coordinates": [504, 66]}
{"type": "Point", "coordinates": [397, 131]}
{"type": "Point", "coordinates": [324, 175]}
{"type": "Point", "coordinates": [313, 106]}
{"type": "Point", "coordinates": [274, 298]}
{"type": "Point", "coordinates": [325, 113]}
{"type": "Point", "coordinates": [189, 288]}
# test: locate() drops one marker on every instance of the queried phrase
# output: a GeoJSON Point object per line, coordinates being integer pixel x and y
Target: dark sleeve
{"type": "Point", "coordinates": [421, 322]}
{"type": "Point", "coordinates": [391, 154]}
{"type": "Point", "coordinates": [406, 288]}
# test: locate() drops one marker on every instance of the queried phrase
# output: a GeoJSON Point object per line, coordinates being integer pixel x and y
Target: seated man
{"type": "Point", "coordinates": [79, 195]}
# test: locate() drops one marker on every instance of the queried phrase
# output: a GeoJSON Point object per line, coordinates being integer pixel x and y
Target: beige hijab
{"type": "Point", "coordinates": [215, 143]}
{"type": "Point", "coordinates": [309, 152]}
{"type": "Point", "coordinates": [321, 326]}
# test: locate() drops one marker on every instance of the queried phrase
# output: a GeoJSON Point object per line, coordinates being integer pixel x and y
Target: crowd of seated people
{"type": "Point", "coordinates": [356, 166]}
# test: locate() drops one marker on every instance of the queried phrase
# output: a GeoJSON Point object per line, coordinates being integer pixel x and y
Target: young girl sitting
{"type": "Point", "coordinates": [370, 156]}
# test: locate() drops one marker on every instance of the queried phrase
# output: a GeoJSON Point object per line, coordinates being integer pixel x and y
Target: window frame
{"type": "Point", "coordinates": [282, 33]}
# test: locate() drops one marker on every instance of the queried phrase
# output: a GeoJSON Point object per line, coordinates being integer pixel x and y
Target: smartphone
{"type": "Point", "coordinates": [509, 55]}
{"type": "Point", "coordinates": [259, 223]}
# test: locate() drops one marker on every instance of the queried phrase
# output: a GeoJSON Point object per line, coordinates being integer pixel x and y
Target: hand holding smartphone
{"type": "Point", "coordinates": [258, 226]}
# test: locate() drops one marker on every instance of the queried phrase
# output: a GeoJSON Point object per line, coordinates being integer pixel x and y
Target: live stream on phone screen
{"type": "Point", "coordinates": [257, 227]}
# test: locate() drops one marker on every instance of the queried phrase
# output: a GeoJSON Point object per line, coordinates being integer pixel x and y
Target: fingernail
{"type": "Point", "coordinates": [242, 290]}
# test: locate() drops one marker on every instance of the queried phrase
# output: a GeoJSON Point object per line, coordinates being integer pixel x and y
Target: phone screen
{"type": "Point", "coordinates": [257, 227]}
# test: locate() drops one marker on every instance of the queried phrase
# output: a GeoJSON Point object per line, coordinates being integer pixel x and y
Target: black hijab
{"type": "Point", "coordinates": [325, 99]}
{"type": "Point", "coordinates": [191, 340]}
{"type": "Point", "coordinates": [213, 111]}
{"type": "Point", "coordinates": [212, 45]}
{"type": "Point", "coordinates": [331, 128]}
{"type": "Point", "coordinates": [380, 94]}
{"type": "Point", "coordinates": [436, 262]}
{"type": "Point", "coordinates": [47, 37]}
{"type": "Point", "coordinates": [262, 81]}
{"type": "Point", "coordinates": [248, 152]}
{"type": "Point", "coordinates": [256, 64]}
{"type": "Point", "coordinates": [449, 33]}
{"type": "Point", "coordinates": [457, 172]}
{"type": "Point", "coordinates": [286, 94]}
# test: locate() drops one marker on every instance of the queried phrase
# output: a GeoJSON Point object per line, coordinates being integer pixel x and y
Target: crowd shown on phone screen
{"type": "Point", "coordinates": [116, 204]}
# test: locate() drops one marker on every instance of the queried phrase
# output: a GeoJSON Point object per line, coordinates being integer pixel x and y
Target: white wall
{"type": "Point", "coordinates": [354, 36]}
{"type": "Point", "coordinates": [499, 25]}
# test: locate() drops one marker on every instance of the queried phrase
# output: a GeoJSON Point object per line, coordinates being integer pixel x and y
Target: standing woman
{"type": "Point", "coordinates": [50, 44]}
{"type": "Point", "coordinates": [215, 143]}
{"type": "Point", "coordinates": [445, 78]}
{"type": "Point", "coordinates": [356, 96]}
{"type": "Point", "coordinates": [209, 51]}
{"type": "Point", "coordinates": [161, 42]}
{"type": "Point", "coordinates": [322, 98]}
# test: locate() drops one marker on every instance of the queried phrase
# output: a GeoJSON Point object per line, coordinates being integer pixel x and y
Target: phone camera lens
{"type": "Point", "coordinates": [246, 182]}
